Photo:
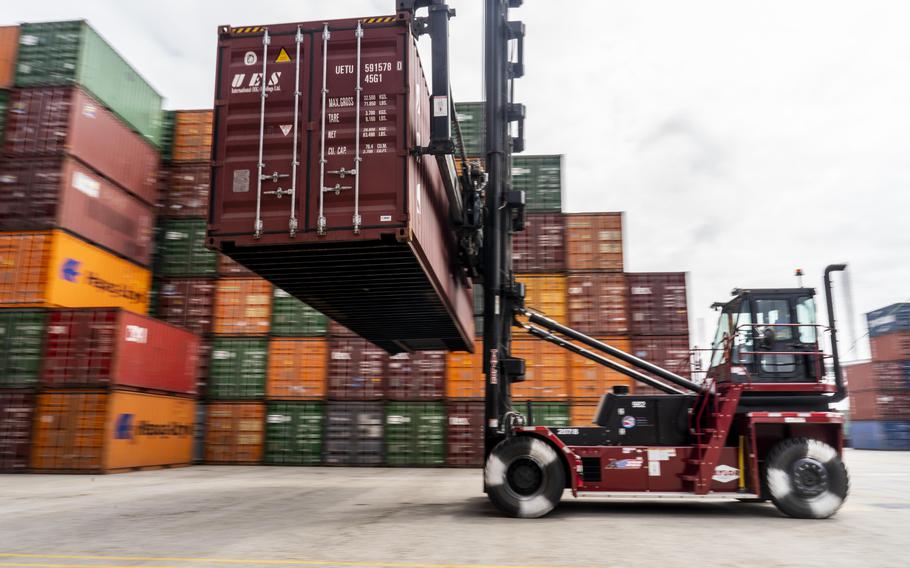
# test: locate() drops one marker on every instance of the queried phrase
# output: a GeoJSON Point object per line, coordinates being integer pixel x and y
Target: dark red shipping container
{"type": "Point", "coordinates": [187, 302]}
{"type": "Point", "coordinates": [355, 370]}
{"type": "Point", "coordinates": [227, 267]}
{"type": "Point", "coordinates": [598, 303]}
{"type": "Point", "coordinates": [880, 405]}
{"type": "Point", "coordinates": [891, 347]}
{"type": "Point", "coordinates": [16, 412]}
{"type": "Point", "coordinates": [420, 375]}
{"type": "Point", "coordinates": [396, 280]}
{"type": "Point", "coordinates": [464, 434]}
{"type": "Point", "coordinates": [61, 192]}
{"type": "Point", "coordinates": [541, 247]}
{"type": "Point", "coordinates": [335, 329]}
{"type": "Point", "coordinates": [103, 347]}
{"type": "Point", "coordinates": [886, 375]}
{"type": "Point", "coordinates": [657, 303]}
{"type": "Point", "coordinates": [186, 191]}
{"type": "Point", "coordinates": [47, 121]}
{"type": "Point", "coordinates": [670, 352]}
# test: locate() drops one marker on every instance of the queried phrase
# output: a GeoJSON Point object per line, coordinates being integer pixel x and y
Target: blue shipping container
{"type": "Point", "coordinates": [895, 317]}
{"type": "Point", "coordinates": [880, 434]}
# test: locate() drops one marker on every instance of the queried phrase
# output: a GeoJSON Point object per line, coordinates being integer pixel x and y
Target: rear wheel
{"type": "Point", "coordinates": [806, 478]}
{"type": "Point", "coordinates": [524, 477]}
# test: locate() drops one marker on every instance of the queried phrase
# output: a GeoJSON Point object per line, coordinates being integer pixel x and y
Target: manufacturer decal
{"type": "Point", "coordinates": [89, 110]}
{"type": "Point", "coordinates": [285, 128]}
{"type": "Point", "coordinates": [28, 39]}
{"type": "Point", "coordinates": [566, 431]}
{"type": "Point", "coordinates": [639, 404]}
{"type": "Point", "coordinates": [459, 421]}
{"type": "Point", "coordinates": [278, 419]}
{"type": "Point", "coordinates": [396, 419]}
{"type": "Point", "coordinates": [125, 428]}
{"type": "Point", "coordinates": [385, 218]}
{"type": "Point", "coordinates": [630, 463]}
{"type": "Point", "coordinates": [252, 83]}
{"type": "Point", "coordinates": [250, 58]}
{"type": "Point", "coordinates": [628, 422]}
{"type": "Point", "coordinates": [341, 355]}
{"type": "Point", "coordinates": [86, 185]}
{"type": "Point", "coordinates": [640, 290]}
{"type": "Point", "coordinates": [725, 474]}
{"type": "Point", "coordinates": [654, 468]}
{"type": "Point", "coordinates": [283, 56]}
{"type": "Point", "coordinates": [69, 271]}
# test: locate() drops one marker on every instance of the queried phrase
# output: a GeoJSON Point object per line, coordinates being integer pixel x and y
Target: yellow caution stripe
{"type": "Point", "coordinates": [380, 20]}
{"type": "Point", "coordinates": [248, 30]}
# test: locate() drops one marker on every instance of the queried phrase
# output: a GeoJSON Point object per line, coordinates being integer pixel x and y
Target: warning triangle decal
{"type": "Point", "coordinates": [283, 56]}
{"type": "Point", "coordinates": [285, 128]}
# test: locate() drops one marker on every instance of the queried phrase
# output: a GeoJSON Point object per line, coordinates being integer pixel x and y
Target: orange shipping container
{"type": "Point", "coordinates": [9, 48]}
{"type": "Point", "coordinates": [55, 269]}
{"type": "Point", "coordinates": [546, 293]}
{"type": "Point", "coordinates": [594, 241]}
{"type": "Point", "coordinates": [234, 432]}
{"type": "Point", "coordinates": [243, 306]}
{"type": "Point", "coordinates": [583, 413]}
{"type": "Point", "coordinates": [546, 370]}
{"type": "Point", "coordinates": [464, 375]}
{"type": "Point", "coordinates": [192, 136]}
{"type": "Point", "coordinates": [110, 431]}
{"type": "Point", "coordinates": [590, 380]}
{"type": "Point", "coordinates": [297, 368]}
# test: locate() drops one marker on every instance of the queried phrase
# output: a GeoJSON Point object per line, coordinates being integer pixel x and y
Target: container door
{"type": "Point", "coordinates": [260, 120]}
{"type": "Point", "coordinates": [360, 139]}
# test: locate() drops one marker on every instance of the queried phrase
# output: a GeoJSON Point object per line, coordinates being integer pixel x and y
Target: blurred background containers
{"type": "Point", "coordinates": [192, 138]}
{"type": "Point", "coordinates": [594, 242]}
{"type": "Point", "coordinates": [186, 190]}
{"type": "Point", "coordinates": [9, 48]}
{"type": "Point", "coordinates": [416, 376]}
{"type": "Point", "coordinates": [354, 433]}
{"type": "Point", "coordinates": [540, 177]}
{"type": "Point", "coordinates": [415, 433]}
{"type": "Point", "coordinates": [293, 433]}
{"type": "Point", "coordinates": [181, 249]}
{"type": "Point", "coordinates": [238, 369]}
{"type": "Point", "coordinates": [243, 306]}
{"type": "Point", "coordinates": [292, 317]}
{"type": "Point", "coordinates": [657, 303]}
{"type": "Point", "coordinates": [356, 369]}
{"type": "Point", "coordinates": [186, 302]}
{"type": "Point", "coordinates": [598, 303]}
{"type": "Point", "coordinates": [16, 417]}
{"type": "Point", "coordinates": [297, 368]}
{"type": "Point", "coordinates": [22, 334]}
{"type": "Point", "coordinates": [464, 434]}
{"type": "Point", "coordinates": [541, 246]}
{"type": "Point", "coordinates": [234, 432]}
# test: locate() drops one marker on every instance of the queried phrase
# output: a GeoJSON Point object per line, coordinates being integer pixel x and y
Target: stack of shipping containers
{"type": "Point", "coordinates": [101, 387]}
{"type": "Point", "coordinates": [880, 389]}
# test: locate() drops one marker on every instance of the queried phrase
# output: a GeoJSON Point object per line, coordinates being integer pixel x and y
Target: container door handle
{"type": "Point", "coordinates": [257, 226]}
{"type": "Point", "coordinates": [320, 223]}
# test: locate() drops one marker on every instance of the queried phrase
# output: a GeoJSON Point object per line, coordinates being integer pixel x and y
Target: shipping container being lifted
{"type": "Point", "coordinates": [316, 187]}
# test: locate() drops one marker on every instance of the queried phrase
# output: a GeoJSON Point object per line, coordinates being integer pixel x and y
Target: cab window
{"type": "Point", "coordinates": [768, 312]}
{"type": "Point", "coordinates": [805, 314]}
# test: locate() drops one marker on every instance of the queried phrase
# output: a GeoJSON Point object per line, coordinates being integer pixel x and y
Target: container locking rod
{"type": "Point", "coordinates": [357, 220]}
{"type": "Point", "coordinates": [320, 224]}
{"type": "Point", "coordinates": [257, 226]}
{"type": "Point", "coordinates": [295, 159]}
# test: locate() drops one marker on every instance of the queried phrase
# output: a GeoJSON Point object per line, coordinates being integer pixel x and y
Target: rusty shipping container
{"type": "Point", "coordinates": [61, 192]}
{"type": "Point", "coordinates": [96, 431]}
{"type": "Point", "coordinates": [192, 136]}
{"type": "Point", "coordinates": [365, 239]}
{"type": "Point", "coordinates": [297, 368]}
{"type": "Point", "coordinates": [880, 405]}
{"type": "Point", "coordinates": [541, 246]}
{"type": "Point", "coordinates": [243, 306]}
{"type": "Point", "coordinates": [464, 376]}
{"type": "Point", "coordinates": [9, 47]}
{"type": "Point", "coordinates": [16, 416]}
{"type": "Point", "coordinates": [46, 269]}
{"type": "Point", "coordinates": [464, 434]}
{"type": "Point", "coordinates": [187, 302]}
{"type": "Point", "coordinates": [102, 347]}
{"type": "Point", "coordinates": [657, 303]}
{"type": "Point", "coordinates": [589, 380]}
{"type": "Point", "coordinates": [598, 303]}
{"type": "Point", "coordinates": [891, 347]}
{"type": "Point", "coordinates": [594, 242]}
{"type": "Point", "coordinates": [355, 370]}
{"type": "Point", "coordinates": [48, 121]}
{"type": "Point", "coordinates": [417, 376]}
{"type": "Point", "coordinates": [234, 432]}
{"type": "Point", "coordinates": [185, 191]}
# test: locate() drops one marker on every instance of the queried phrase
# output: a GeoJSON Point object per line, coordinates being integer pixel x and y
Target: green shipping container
{"type": "Point", "coordinates": [293, 433]}
{"type": "Point", "coordinates": [238, 369]}
{"type": "Point", "coordinates": [168, 118]}
{"type": "Point", "coordinates": [64, 53]}
{"type": "Point", "coordinates": [181, 249]}
{"type": "Point", "coordinates": [540, 177]}
{"type": "Point", "coordinates": [4, 99]}
{"type": "Point", "coordinates": [473, 128]}
{"type": "Point", "coordinates": [554, 414]}
{"type": "Point", "coordinates": [21, 347]}
{"type": "Point", "coordinates": [291, 317]}
{"type": "Point", "coordinates": [415, 433]}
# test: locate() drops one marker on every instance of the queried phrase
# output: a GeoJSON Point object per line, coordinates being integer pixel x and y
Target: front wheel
{"type": "Point", "coordinates": [524, 477]}
{"type": "Point", "coordinates": [806, 478]}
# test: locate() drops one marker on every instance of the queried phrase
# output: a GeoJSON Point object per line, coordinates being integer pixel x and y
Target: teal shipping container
{"type": "Point", "coordinates": [540, 177]}
{"type": "Point", "coordinates": [65, 53]}
{"type": "Point", "coordinates": [293, 433]}
{"type": "Point", "coordinates": [181, 249]}
{"type": "Point", "coordinates": [238, 369]}
{"type": "Point", "coordinates": [473, 128]}
{"type": "Point", "coordinates": [415, 433]}
{"type": "Point", "coordinates": [293, 318]}
{"type": "Point", "coordinates": [21, 347]}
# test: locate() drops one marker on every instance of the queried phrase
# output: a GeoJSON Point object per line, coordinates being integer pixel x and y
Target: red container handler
{"type": "Point", "coordinates": [541, 247]}
{"type": "Point", "coordinates": [657, 303]}
{"type": "Point", "coordinates": [355, 370]}
{"type": "Point", "coordinates": [464, 434]}
{"type": "Point", "coordinates": [395, 279]}
{"type": "Point", "coordinates": [420, 375]}
{"type": "Point", "coordinates": [16, 412]}
{"type": "Point", "coordinates": [61, 192]}
{"type": "Point", "coordinates": [105, 347]}
{"type": "Point", "coordinates": [47, 121]}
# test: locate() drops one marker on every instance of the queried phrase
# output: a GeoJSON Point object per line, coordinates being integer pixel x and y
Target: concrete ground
{"type": "Point", "coordinates": [208, 516]}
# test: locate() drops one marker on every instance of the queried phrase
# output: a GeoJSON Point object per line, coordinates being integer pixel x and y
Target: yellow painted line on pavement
{"type": "Point", "coordinates": [250, 561]}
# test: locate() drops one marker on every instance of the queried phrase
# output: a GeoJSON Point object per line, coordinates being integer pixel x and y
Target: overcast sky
{"type": "Point", "coordinates": [743, 139]}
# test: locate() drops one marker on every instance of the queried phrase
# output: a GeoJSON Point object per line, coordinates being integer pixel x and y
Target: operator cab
{"type": "Point", "coordinates": [767, 336]}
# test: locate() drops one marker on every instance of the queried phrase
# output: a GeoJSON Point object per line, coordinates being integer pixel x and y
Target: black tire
{"type": "Point", "coordinates": [524, 477]}
{"type": "Point", "coordinates": [806, 478]}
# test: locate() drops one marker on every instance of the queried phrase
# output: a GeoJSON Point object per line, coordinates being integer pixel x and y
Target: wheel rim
{"type": "Point", "coordinates": [810, 477]}
{"type": "Point", "coordinates": [525, 476]}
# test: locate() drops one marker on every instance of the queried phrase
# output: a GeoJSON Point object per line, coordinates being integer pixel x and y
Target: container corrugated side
{"type": "Point", "coordinates": [186, 191]}
{"type": "Point", "coordinates": [291, 317]}
{"type": "Point", "coordinates": [471, 120]}
{"type": "Point", "coordinates": [416, 376]}
{"type": "Point", "coordinates": [9, 48]}
{"type": "Point", "coordinates": [192, 136]}
{"type": "Point", "coordinates": [293, 433]}
{"type": "Point", "coordinates": [17, 411]}
{"type": "Point", "coordinates": [181, 249]}
{"type": "Point", "coordinates": [464, 434]}
{"type": "Point", "coordinates": [545, 293]}
{"type": "Point", "coordinates": [546, 370]}
{"type": "Point", "coordinates": [186, 302]}
{"type": "Point", "coordinates": [540, 177]}
{"type": "Point", "coordinates": [64, 53]}
{"type": "Point", "coordinates": [590, 380]}
{"type": "Point", "coordinates": [594, 242]}
{"type": "Point", "coordinates": [356, 369]}
{"type": "Point", "coordinates": [880, 404]}
{"type": "Point", "coordinates": [658, 303]}
{"type": "Point", "coordinates": [553, 414]}
{"type": "Point", "coordinates": [243, 306]}
{"type": "Point", "coordinates": [464, 375]}
{"type": "Point", "coordinates": [297, 368]}
{"type": "Point", "coordinates": [880, 434]}
{"type": "Point", "coordinates": [893, 346]}
{"type": "Point", "coordinates": [598, 303]}
{"type": "Point", "coordinates": [415, 433]}
{"type": "Point", "coordinates": [4, 104]}
{"type": "Point", "coordinates": [889, 319]}
{"type": "Point", "coordinates": [55, 269]}
{"type": "Point", "coordinates": [354, 433]}
{"type": "Point", "coordinates": [541, 246]}
{"type": "Point", "coordinates": [670, 352]}
{"type": "Point", "coordinates": [234, 432]}
{"type": "Point", "coordinates": [239, 368]}
{"type": "Point", "coordinates": [583, 413]}
{"type": "Point", "coordinates": [22, 335]}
